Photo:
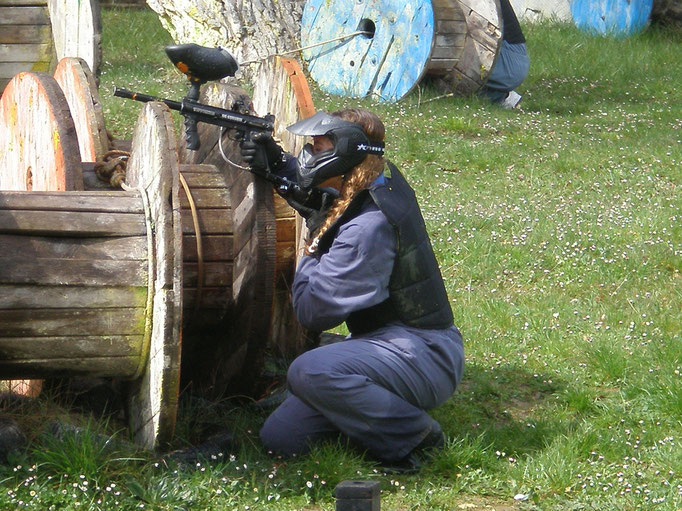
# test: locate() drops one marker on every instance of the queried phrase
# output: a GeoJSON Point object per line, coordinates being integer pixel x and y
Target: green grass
{"type": "Point", "coordinates": [559, 234]}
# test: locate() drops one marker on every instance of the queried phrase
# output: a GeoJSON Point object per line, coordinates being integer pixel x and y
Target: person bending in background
{"type": "Point", "coordinates": [512, 64]}
{"type": "Point", "coordinates": [369, 262]}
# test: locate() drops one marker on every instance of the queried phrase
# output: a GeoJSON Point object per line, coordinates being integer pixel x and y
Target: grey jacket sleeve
{"type": "Point", "coordinates": [353, 275]}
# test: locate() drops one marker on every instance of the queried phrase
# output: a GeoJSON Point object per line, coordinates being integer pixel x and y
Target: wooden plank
{"type": "Point", "coordinates": [447, 53]}
{"type": "Point", "coordinates": [204, 180]}
{"type": "Point", "coordinates": [88, 322]}
{"type": "Point", "coordinates": [154, 168]}
{"type": "Point", "coordinates": [16, 269]}
{"type": "Point", "coordinates": [60, 223]}
{"type": "Point", "coordinates": [14, 3]}
{"type": "Point", "coordinates": [211, 221]}
{"type": "Point", "coordinates": [15, 296]}
{"type": "Point", "coordinates": [198, 168]}
{"type": "Point", "coordinates": [98, 202]}
{"type": "Point", "coordinates": [449, 40]}
{"type": "Point", "coordinates": [9, 69]}
{"type": "Point", "coordinates": [212, 298]}
{"type": "Point", "coordinates": [24, 15]}
{"type": "Point", "coordinates": [215, 248]}
{"type": "Point", "coordinates": [72, 346]}
{"type": "Point", "coordinates": [36, 52]}
{"type": "Point", "coordinates": [441, 64]}
{"type": "Point", "coordinates": [108, 367]}
{"type": "Point", "coordinates": [286, 230]}
{"type": "Point", "coordinates": [206, 198]}
{"type": "Point", "coordinates": [215, 274]}
{"type": "Point", "coordinates": [77, 30]}
{"type": "Point", "coordinates": [126, 248]}
{"type": "Point", "coordinates": [25, 34]}
{"type": "Point", "coordinates": [453, 26]}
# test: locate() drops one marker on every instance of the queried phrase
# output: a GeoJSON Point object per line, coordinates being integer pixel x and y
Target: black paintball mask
{"type": "Point", "coordinates": [350, 147]}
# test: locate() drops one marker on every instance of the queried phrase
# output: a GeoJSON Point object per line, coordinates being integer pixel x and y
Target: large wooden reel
{"type": "Point", "coordinates": [38, 151]}
{"type": "Point", "coordinates": [228, 357]}
{"type": "Point", "coordinates": [80, 89]}
{"type": "Point", "coordinates": [280, 88]}
{"type": "Point", "coordinates": [399, 43]}
{"type": "Point", "coordinates": [92, 282]}
{"type": "Point", "coordinates": [38, 145]}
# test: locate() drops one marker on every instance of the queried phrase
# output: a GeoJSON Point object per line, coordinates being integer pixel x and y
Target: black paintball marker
{"type": "Point", "coordinates": [201, 64]}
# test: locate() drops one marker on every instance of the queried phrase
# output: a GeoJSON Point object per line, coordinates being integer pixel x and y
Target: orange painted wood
{"type": "Point", "coordinates": [78, 84]}
{"type": "Point", "coordinates": [38, 144]}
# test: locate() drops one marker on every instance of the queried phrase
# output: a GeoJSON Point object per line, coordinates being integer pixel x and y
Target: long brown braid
{"type": "Point", "coordinates": [360, 176]}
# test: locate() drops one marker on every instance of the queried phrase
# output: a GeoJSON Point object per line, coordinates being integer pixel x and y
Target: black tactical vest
{"type": "Point", "coordinates": [417, 295]}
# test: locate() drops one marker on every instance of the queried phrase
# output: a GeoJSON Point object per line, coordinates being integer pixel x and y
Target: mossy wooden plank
{"type": "Point", "coordinates": [122, 368]}
{"type": "Point", "coordinates": [54, 322]}
{"type": "Point", "coordinates": [16, 296]}
{"type": "Point", "coordinates": [71, 346]}
{"type": "Point", "coordinates": [25, 270]}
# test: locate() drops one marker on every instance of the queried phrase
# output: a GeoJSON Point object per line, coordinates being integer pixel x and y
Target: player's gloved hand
{"type": "Point", "coordinates": [314, 209]}
{"type": "Point", "coordinates": [261, 153]}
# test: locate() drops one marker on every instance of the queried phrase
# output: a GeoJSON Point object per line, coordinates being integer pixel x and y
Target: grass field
{"type": "Point", "coordinates": [559, 233]}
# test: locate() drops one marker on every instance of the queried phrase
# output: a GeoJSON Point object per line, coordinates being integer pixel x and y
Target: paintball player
{"type": "Point", "coordinates": [512, 64]}
{"type": "Point", "coordinates": [369, 262]}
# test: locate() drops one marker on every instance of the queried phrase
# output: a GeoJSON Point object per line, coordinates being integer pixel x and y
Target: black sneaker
{"type": "Point", "coordinates": [215, 449]}
{"type": "Point", "coordinates": [434, 441]}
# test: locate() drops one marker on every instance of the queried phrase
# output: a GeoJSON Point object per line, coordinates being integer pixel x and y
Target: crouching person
{"type": "Point", "coordinates": [368, 262]}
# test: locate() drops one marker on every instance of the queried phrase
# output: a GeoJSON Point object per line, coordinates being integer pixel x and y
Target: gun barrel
{"type": "Point", "coordinates": [138, 96]}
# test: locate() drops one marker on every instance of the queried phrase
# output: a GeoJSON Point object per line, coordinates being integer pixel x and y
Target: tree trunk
{"type": "Point", "coordinates": [248, 29]}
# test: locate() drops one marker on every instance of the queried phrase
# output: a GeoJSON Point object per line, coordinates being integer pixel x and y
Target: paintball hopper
{"type": "Point", "coordinates": [202, 64]}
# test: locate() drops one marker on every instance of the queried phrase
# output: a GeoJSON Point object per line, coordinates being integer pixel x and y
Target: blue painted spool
{"type": "Point", "coordinates": [383, 48]}
{"type": "Point", "coordinates": [611, 17]}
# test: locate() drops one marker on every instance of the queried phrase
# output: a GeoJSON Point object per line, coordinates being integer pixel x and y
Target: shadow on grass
{"type": "Point", "coordinates": [505, 412]}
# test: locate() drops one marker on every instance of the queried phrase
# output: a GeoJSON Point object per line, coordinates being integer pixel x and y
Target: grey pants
{"type": "Point", "coordinates": [509, 71]}
{"type": "Point", "coordinates": [375, 391]}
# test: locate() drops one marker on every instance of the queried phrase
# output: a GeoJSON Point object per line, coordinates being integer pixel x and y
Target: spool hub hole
{"type": "Point", "coordinates": [367, 26]}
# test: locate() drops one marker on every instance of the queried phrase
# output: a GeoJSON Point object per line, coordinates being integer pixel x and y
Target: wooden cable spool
{"type": "Point", "coordinates": [80, 89]}
{"type": "Point", "coordinates": [45, 159]}
{"type": "Point", "coordinates": [227, 356]}
{"type": "Point", "coordinates": [35, 34]}
{"type": "Point", "coordinates": [92, 281]}
{"type": "Point", "coordinates": [207, 246]}
{"type": "Point", "coordinates": [455, 40]}
{"type": "Point", "coordinates": [280, 88]}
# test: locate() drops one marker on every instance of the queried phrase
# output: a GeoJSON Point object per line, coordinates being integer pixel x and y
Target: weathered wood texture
{"type": "Point", "coordinates": [611, 17]}
{"type": "Point", "coordinates": [227, 358]}
{"type": "Point", "coordinates": [77, 30]}
{"type": "Point", "coordinates": [208, 250]}
{"type": "Point", "coordinates": [153, 171]}
{"type": "Point", "coordinates": [73, 284]}
{"type": "Point", "coordinates": [38, 144]}
{"type": "Point", "coordinates": [467, 42]}
{"type": "Point", "coordinates": [80, 89]}
{"type": "Point", "coordinates": [249, 30]}
{"type": "Point", "coordinates": [25, 38]}
{"type": "Point", "coordinates": [37, 152]}
{"type": "Point", "coordinates": [280, 88]}
{"type": "Point", "coordinates": [457, 40]}
{"type": "Point", "coordinates": [386, 63]}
